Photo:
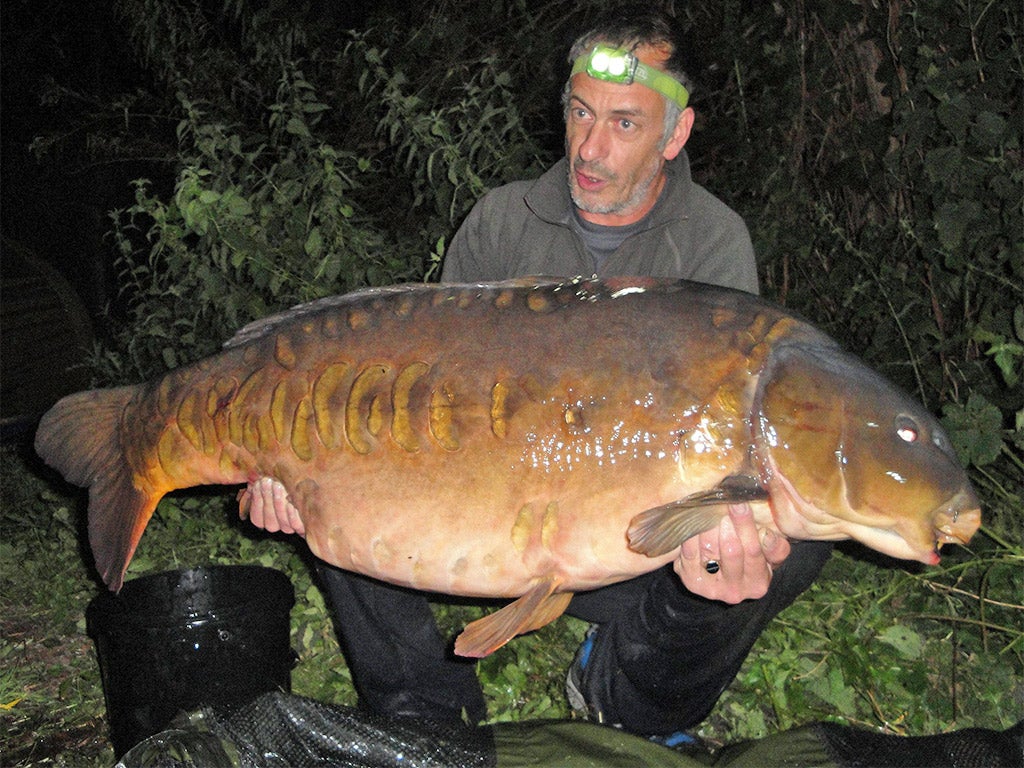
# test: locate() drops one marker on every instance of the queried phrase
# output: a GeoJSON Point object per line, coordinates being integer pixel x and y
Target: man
{"type": "Point", "coordinates": [665, 645]}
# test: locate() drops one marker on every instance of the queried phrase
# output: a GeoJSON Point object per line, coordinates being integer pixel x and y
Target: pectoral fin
{"type": "Point", "coordinates": [540, 606]}
{"type": "Point", "coordinates": [661, 529]}
{"type": "Point", "coordinates": [244, 499]}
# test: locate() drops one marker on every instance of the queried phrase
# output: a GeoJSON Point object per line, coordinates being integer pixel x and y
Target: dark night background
{"type": "Point", "coordinates": [63, 64]}
{"type": "Point", "coordinates": [53, 215]}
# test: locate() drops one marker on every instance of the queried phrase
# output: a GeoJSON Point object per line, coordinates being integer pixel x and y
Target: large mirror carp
{"type": "Point", "coordinates": [526, 439]}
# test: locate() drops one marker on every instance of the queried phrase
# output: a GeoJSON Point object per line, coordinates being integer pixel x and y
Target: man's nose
{"type": "Point", "coordinates": [594, 145]}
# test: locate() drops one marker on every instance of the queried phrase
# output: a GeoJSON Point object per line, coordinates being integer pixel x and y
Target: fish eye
{"type": "Point", "coordinates": [907, 429]}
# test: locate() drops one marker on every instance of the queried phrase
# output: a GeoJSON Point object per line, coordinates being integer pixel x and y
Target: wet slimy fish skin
{"type": "Point", "coordinates": [523, 439]}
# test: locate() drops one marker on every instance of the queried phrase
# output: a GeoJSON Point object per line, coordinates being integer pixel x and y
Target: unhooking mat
{"type": "Point", "coordinates": [280, 730]}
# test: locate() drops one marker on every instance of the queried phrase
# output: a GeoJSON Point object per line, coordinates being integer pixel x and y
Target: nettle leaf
{"type": "Point", "coordinates": [955, 115]}
{"type": "Point", "coordinates": [943, 163]}
{"type": "Point", "coordinates": [1007, 355]}
{"type": "Point", "coordinates": [908, 643]}
{"type": "Point", "coordinates": [314, 243]}
{"type": "Point", "coordinates": [297, 127]}
{"type": "Point", "coordinates": [239, 207]}
{"type": "Point", "coordinates": [170, 358]}
{"type": "Point", "coordinates": [954, 219]}
{"type": "Point", "coordinates": [831, 687]}
{"type": "Point", "coordinates": [989, 129]}
{"type": "Point", "coordinates": [976, 429]}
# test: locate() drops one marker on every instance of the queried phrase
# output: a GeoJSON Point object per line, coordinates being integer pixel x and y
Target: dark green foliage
{"type": "Point", "coordinates": [913, 651]}
{"type": "Point", "coordinates": [317, 160]}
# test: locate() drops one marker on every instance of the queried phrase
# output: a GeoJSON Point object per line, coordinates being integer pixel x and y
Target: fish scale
{"type": "Point", "coordinates": [523, 439]}
{"type": "Point", "coordinates": [372, 398]}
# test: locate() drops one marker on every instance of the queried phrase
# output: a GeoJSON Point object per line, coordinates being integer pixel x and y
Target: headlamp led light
{"type": "Point", "coordinates": [615, 65]}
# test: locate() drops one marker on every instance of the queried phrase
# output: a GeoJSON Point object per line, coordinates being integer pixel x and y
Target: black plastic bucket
{"type": "Point", "coordinates": [176, 640]}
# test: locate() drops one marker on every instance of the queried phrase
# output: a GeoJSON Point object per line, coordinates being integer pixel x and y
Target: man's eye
{"type": "Point", "coordinates": [627, 125]}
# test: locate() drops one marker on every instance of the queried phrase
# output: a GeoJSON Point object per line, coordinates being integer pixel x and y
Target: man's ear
{"type": "Point", "coordinates": [680, 135]}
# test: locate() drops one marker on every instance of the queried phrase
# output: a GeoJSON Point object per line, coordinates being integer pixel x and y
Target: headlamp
{"type": "Point", "coordinates": [615, 65]}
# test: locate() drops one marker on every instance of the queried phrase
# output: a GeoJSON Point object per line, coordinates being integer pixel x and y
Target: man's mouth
{"type": "Point", "coordinates": [589, 183]}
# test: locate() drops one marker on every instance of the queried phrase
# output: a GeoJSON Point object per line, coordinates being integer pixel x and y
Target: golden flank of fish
{"type": "Point", "coordinates": [526, 439]}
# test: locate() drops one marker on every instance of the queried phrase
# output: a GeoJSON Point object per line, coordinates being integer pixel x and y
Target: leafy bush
{"type": "Point", "coordinates": [910, 651]}
{"type": "Point", "coordinates": [308, 166]}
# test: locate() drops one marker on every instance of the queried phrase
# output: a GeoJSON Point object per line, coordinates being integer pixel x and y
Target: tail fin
{"type": "Point", "coordinates": [79, 437]}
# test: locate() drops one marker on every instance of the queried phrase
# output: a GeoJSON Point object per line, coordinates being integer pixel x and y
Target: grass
{"type": "Point", "coordinates": [877, 644]}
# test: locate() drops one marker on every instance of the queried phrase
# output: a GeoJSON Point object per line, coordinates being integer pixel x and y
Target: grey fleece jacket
{"type": "Point", "coordinates": [525, 228]}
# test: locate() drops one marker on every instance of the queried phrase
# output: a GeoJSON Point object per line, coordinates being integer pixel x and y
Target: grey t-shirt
{"type": "Point", "coordinates": [602, 241]}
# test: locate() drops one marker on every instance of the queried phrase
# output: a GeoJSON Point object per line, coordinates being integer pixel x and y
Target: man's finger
{"type": "Point", "coordinates": [776, 547]}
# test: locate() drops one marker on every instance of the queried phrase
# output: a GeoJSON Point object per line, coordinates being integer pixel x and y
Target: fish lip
{"type": "Point", "coordinates": [956, 521]}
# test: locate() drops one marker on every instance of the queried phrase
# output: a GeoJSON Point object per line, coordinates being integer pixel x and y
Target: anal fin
{"type": "Point", "coordinates": [658, 531]}
{"type": "Point", "coordinates": [540, 606]}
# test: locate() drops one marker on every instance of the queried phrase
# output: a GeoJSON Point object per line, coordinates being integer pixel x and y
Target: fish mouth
{"type": "Point", "coordinates": [955, 522]}
{"type": "Point", "coordinates": [958, 521]}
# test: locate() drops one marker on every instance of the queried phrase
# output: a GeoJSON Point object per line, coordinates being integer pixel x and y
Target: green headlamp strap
{"type": "Point", "coordinates": [615, 65]}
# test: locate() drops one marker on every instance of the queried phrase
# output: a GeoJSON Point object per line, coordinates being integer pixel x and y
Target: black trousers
{"type": "Point", "coordinates": [661, 658]}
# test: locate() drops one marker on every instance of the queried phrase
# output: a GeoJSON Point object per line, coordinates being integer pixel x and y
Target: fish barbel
{"type": "Point", "coordinates": [525, 439]}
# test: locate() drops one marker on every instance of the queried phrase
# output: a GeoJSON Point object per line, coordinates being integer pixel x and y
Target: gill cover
{"type": "Point", "coordinates": [848, 442]}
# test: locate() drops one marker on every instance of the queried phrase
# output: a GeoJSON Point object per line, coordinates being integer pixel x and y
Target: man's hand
{"type": "Point", "coordinates": [744, 555]}
{"type": "Point", "coordinates": [265, 502]}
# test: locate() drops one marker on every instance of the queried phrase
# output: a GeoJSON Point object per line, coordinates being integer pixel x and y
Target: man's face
{"type": "Point", "coordinates": [614, 137]}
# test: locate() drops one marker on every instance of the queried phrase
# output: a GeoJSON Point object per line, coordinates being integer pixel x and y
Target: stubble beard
{"type": "Point", "coordinates": [612, 206]}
